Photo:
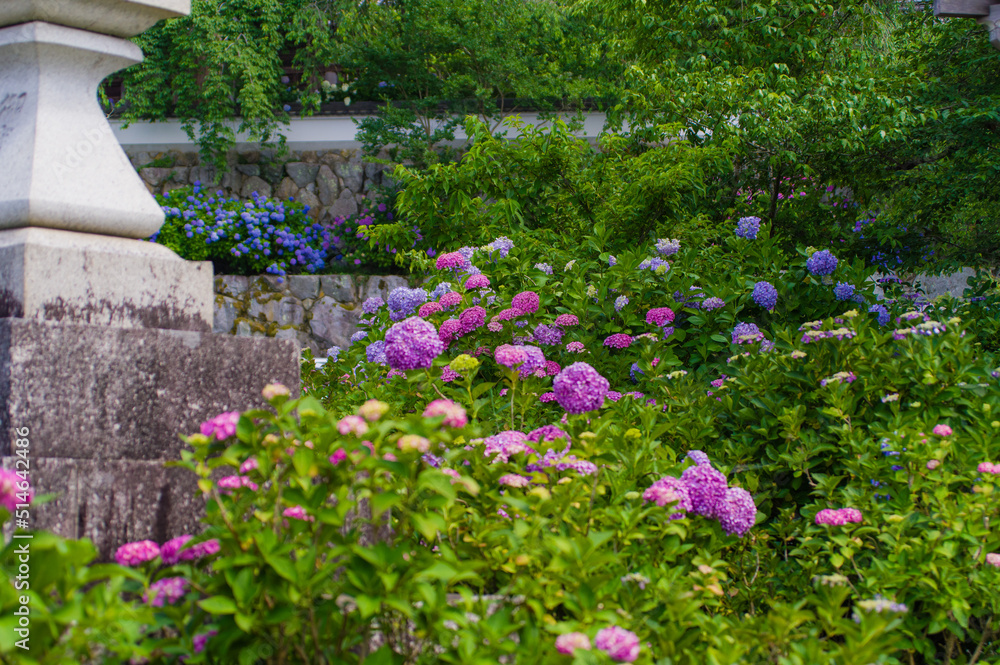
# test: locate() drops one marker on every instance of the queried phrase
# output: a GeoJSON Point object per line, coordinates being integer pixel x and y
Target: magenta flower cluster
{"type": "Point", "coordinates": [838, 517]}
{"type": "Point", "coordinates": [621, 645]}
{"type": "Point", "coordinates": [580, 388]}
{"type": "Point", "coordinates": [618, 341]}
{"type": "Point", "coordinates": [659, 316]}
{"type": "Point", "coordinates": [222, 426]}
{"type": "Point", "coordinates": [702, 490]}
{"type": "Point", "coordinates": [412, 344]}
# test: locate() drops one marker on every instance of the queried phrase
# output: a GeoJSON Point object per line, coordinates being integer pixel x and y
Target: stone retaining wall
{"type": "Point", "coordinates": [319, 311]}
{"type": "Point", "coordinates": [333, 183]}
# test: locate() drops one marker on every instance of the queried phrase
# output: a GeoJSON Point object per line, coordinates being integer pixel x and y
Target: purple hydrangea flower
{"type": "Point", "coordinates": [612, 261]}
{"type": "Point", "coordinates": [882, 314]}
{"type": "Point", "coordinates": [748, 227]}
{"type": "Point", "coordinates": [843, 291]}
{"type": "Point", "coordinates": [412, 344]}
{"type": "Point", "coordinates": [440, 290]}
{"type": "Point", "coordinates": [670, 490]}
{"type": "Point", "coordinates": [501, 246]}
{"type": "Point", "coordinates": [580, 388]}
{"type": "Point", "coordinates": [620, 644]}
{"type": "Point", "coordinates": [620, 302]}
{"type": "Point", "coordinates": [738, 512]}
{"type": "Point", "coordinates": [668, 246]}
{"type": "Point", "coordinates": [698, 457]}
{"type": "Point", "coordinates": [403, 302]}
{"type": "Point", "coordinates": [544, 267]}
{"type": "Point", "coordinates": [547, 335]}
{"type": "Point", "coordinates": [618, 341]}
{"type": "Point", "coordinates": [133, 554]}
{"type": "Point", "coordinates": [358, 336]}
{"type": "Point", "coordinates": [168, 590]}
{"type": "Point", "coordinates": [547, 433]}
{"type": "Point", "coordinates": [765, 295]}
{"type": "Point", "coordinates": [746, 333]}
{"type": "Point", "coordinates": [375, 353]}
{"type": "Point", "coordinates": [534, 360]}
{"type": "Point", "coordinates": [713, 303]}
{"type": "Point", "coordinates": [372, 305]}
{"type": "Point", "coordinates": [707, 488]}
{"type": "Point", "coordinates": [821, 263]}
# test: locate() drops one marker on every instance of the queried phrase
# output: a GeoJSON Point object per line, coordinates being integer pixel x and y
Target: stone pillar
{"type": "Point", "coordinates": [106, 350]}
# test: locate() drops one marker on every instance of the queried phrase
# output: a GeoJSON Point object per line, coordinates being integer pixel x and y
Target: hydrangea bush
{"type": "Point", "coordinates": [514, 465]}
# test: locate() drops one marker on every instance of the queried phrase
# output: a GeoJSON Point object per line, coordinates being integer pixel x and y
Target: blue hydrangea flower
{"type": "Point", "coordinates": [375, 353]}
{"type": "Point", "coordinates": [544, 267]}
{"type": "Point", "coordinates": [821, 263]}
{"type": "Point", "coordinates": [668, 246]}
{"type": "Point", "coordinates": [843, 291]}
{"type": "Point", "coordinates": [358, 336]}
{"type": "Point", "coordinates": [620, 302]}
{"type": "Point", "coordinates": [748, 227]}
{"type": "Point", "coordinates": [403, 302]}
{"type": "Point", "coordinates": [765, 295]}
{"type": "Point", "coordinates": [881, 312]}
{"type": "Point", "coordinates": [440, 290]}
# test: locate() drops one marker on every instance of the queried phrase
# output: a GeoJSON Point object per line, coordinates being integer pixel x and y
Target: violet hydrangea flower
{"type": "Point", "coordinates": [707, 488]}
{"type": "Point", "coordinates": [659, 316]}
{"type": "Point", "coordinates": [748, 227]}
{"type": "Point", "coordinates": [713, 303]}
{"type": "Point", "coordinates": [525, 303]}
{"type": "Point", "coordinates": [548, 335]}
{"type": "Point", "coordinates": [670, 490]}
{"type": "Point", "coordinates": [168, 590]}
{"type": "Point", "coordinates": [618, 341]}
{"type": "Point", "coordinates": [372, 305]}
{"type": "Point", "coordinates": [698, 457]}
{"type": "Point", "coordinates": [843, 291]}
{"type": "Point", "coordinates": [567, 643]}
{"type": "Point", "coordinates": [738, 513]}
{"type": "Point", "coordinates": [765, 295]}
{"type": "Point", "coordinates": [375, 353]}
{"type": "Point", "coordinates": [620, 644]}
{"type": "Point", "coordinates": [580, 388]}
{"type": "Point", "coordinates": [412, 344]}
{"type": "Point", "coordinates": [821, 263]}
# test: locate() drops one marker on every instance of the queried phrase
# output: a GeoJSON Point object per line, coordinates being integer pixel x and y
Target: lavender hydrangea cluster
{"type": "Point", "coordinates": [412, 344]}
{"type": "Point", "coordinates": [501, 247]}
{"type": "Point", "coordinates": [881, 314]}
{"type": "Point", "coordinates": [670, 490]}
{"type": "Point", "coordinates": [655, 264]}
{"type": "Point", "coordinates": [746, 333]}
{"type": "Point", "coordinates": [544, 267]}
{"type": "Point", "coordinates": [748, 227]}
{"type": "Point", "coordinates": [375, 353]}
{"type": "Point", "coordinates": [821, 263]}
{"type": "Point", "coordinates": [440, 290]}
{"type": "Point", "coordinates": [580, 388]}
{"type": "Point", "coordinates": [667, 246]}
{"type": "Point", "coordinates": [712, 303]}
{"type": "Point", "coordinates": [548, 335]}
{"type": "Point", "coordinates": [403, 302]}
{"type": "Point", "coordinates": [372, 305]}
{"type": "Point", "coordinates": [707, 488]}
{"type": "Point", "coordinates": [765, 295]}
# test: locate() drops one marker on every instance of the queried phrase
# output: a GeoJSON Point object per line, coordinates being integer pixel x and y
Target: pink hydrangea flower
{"type": "Point", "coordinates": [248, 465]}
{"type": "Point", "coordinates": [987, 467]}
{"type": "Point", "coordinates": [552, 368]}
{"type": "Point", "coordinates": [839, 517]}
{"type": "Point", "coordinates": [170, 552]}
{"type": "Point", "coordinates": [659, 316]}
{"type": "Point", "coordinates": [547, 397]}
{"type": "Point", "coordinates": [942, 430]}
{"type": "Point", "coordinates": [454, 414]}
{"type": "Point", "coordinates": [413, 442]}
{"type": "Point", "coordinates": [576, 347]}
{"type": "Point", "coordinates": [338, 456]}
{"type": "Point", "coordinates": [429, 308]}
{"type": "Point", "coordinates": [506, 314]}
{"type": "Point", "coordinates": [222, 426]}
{"type": "Point", "coordinates": [352, 425]}
{"type": "Point", "coordinates": [133, 554]}
{"type": "Point", "coordinates": [173, 551]}
{"type": "Point", "coordinates": [297, 513]}
{"type": "Point", "coordinates": [479, 281]}
{"type": "Point", "coordinates": [513, 480]}
{"type": "Point", "coordinates": [618, 341]}
{"type": "Point", "coordinates": [494, 326]}
{"type": "Point", "coordinates": [450, 330]}
{"type": "Point", "coordinates": [273, 390]}
{"type": "Point", "coordinates": [669, 490]}
{"type": "Point", "coordinates": [451, 260]}
{"type": "Point", "coordinates": [933, 464]}
{"type": "Point", "coordinates": [448, 375]}
{"type": "Point", "coordinates": [472, 318]}
{"type": "Point", "coordinates": [525, 302]}
{"type": "Point", "coordinates": [10, 484]}
{"type": "Point", "coordinates": [509, 356]}
{"type": "Point", "coordinates": [167, 590]}
{"type": "Point", "coordinates": [620, 644]}
{"type": "Point", "coordinates": [450, 299]}
{"type": "Point", "coordinates": [567, 320]}
{"type": "Point", "coordinates": [227, 483]}
{"type": "Point", "coordinates": [993, 559]}
{"type": "Point", "coordinates": [569, 642]}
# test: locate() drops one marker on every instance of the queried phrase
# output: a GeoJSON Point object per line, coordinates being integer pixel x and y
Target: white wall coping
{"type": "Point", "coordinates": [312, 133]}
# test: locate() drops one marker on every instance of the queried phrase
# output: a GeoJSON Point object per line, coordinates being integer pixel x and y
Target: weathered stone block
{"type": "Point", "coordinates": [338, 287]}
{"type": "Point", "coordinates": [301, 172]}
{"type": "Point", "coordinates": [304, 286]}
{"type": "Point", "coordinates": [234, 285]}
{"type": "Point", "coordinates": [94, 392]}
{"type": "Point", "coordinates": [226, 311]}
{"type": "Point", "coordinates": [65, 276]}
{"type": "Point", "coordinates": [344, 206]}
{"type": "Point", "coordinates": [124, 18]}
{"type": "Point", "coordinates": [286, 189]}
{"type": "Point", "coordinates": [255, 184]}
{"type": "Point", "coordinates": [332, 323]}
{"type": "Point", "coordinates": [315, 207]}
{"type": "Point", "coordinates": [380, 286]}
{"type": "Point", "coordinates": [327, 188]}
{"type": "Point", "coordinates": [248, 169]}
{"type": "Point", "coordinates": [352, 174]}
